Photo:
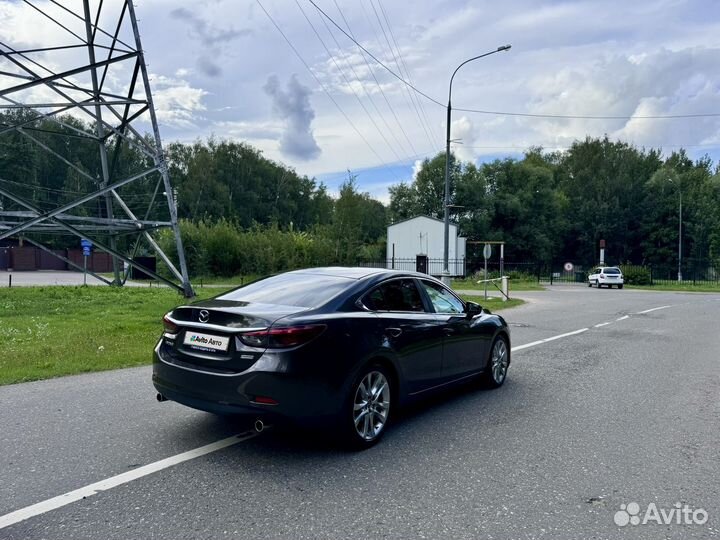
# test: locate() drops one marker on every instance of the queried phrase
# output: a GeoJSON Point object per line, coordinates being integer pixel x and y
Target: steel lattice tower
{"type": "Point", "coordinates": [95, 71]}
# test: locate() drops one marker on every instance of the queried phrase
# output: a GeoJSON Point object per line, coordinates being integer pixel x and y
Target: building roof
{"type": "Point", "coordinates": [422, 216]}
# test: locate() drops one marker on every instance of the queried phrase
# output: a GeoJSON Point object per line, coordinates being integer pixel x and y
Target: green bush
{"type": "Point", "coordinates": [636, 275]}
{"type": "Point", "coordinates": [222, 249]}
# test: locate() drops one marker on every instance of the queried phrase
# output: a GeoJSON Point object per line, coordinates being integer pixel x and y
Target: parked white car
{"type": "Point", "coordinates": [607, 276]}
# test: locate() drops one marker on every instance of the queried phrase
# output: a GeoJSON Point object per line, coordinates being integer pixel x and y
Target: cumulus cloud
{"type": "Point", "coordinates": [293, 107]}
{"type": "Point", "coordinates": [208, 67]}
{"type": "Point", "coordinates": [417, 167]}
{"type": "Point", "coordinates": [211, 37]}
{"type": "Point", "coordinates": [176, 102]}
{"type": "Point", "coordinates": [251, 130]}
{"type": "Point", "coordinates": [661, 83]}
{"type": "Point", "coordinates": [206, 32]}
{"type": "Point", "coordinates": [463, 132]}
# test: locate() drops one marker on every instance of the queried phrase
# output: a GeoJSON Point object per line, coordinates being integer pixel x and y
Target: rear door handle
{"type": "Point", "coordinates": [394, 332]}
{"type": "Point", "coordinates": [449, 331]}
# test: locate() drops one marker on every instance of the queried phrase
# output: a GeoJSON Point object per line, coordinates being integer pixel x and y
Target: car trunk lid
{"type": "Point", "coordinates": [208, 334]}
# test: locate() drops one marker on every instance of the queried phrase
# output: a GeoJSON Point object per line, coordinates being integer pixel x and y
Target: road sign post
{"type": "Point", "coordinates": [87, 250]}
{"type": "Point", "coordinates": [487, 252]}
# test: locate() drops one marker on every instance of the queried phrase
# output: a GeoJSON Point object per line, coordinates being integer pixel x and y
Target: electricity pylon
{"type": "Point", "coordinates": [90, 66]}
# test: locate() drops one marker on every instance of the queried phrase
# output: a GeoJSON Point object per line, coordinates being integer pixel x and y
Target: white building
{"type": "Point", "coordinates": [424, 235]}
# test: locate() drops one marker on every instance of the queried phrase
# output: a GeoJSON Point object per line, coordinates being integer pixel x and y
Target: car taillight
{"type": "Point", "coordinates": [170, 327]}
{"type": "Point", "coordinates": [280, 338]}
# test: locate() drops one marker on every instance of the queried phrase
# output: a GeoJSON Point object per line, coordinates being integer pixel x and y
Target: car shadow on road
{"type": "Point", "coordinates": [436, 416]}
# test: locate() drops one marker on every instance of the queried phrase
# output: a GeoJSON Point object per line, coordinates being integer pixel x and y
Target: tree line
{"type": "Point", "coordinates": [243, 213]}
{"type": "Point", "coordinates": [229, 198]}
{"type": "Point", "coordinates": [555, 206]}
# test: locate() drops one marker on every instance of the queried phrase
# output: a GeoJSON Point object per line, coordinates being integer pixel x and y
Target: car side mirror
{"type": "Point", "coordinates": [472, 309]}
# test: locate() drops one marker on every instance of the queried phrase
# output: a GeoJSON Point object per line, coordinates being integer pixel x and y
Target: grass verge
{"type": "Point", "coordinates": [515, 285]}
{"type": "Point", "coordinates": [494, 304]}
{"type": "Point", "coordinates": [689, 287]}
{"type": "Point", "coordinates": [52, 331]}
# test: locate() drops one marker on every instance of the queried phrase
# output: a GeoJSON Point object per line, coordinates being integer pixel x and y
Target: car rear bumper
{"type": "Point", "coordinates": [299, 398]}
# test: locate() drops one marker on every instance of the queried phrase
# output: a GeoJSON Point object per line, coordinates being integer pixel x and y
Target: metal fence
{"type": "Point", "coordinates": [694, 272]}
{"type": "Point", "coordinates": [456, 267]}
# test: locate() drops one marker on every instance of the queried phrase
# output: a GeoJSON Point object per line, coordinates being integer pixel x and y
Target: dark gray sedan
{"type": "Point", "coordinates": [327, 346]}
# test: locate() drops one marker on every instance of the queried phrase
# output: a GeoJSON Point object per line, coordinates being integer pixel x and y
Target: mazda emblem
{"type": "Point", "coordinates": [204, 315]}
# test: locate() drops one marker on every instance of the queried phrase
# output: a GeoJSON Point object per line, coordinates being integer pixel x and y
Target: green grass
{"type": "Point", "coordinates": [515, 285]}
{"type": "Point", "coordinates": [52, 331]}
{"type": "Point", "coordinates": [234, 281]}
{"type": "Point", "coordinates": [494, 304]}
{"type": "Point", "coordinates": [685, 287]}
{"type": "Point", "coordinates": [200, 281]}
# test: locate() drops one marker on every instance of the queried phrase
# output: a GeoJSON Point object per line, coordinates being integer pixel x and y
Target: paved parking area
{"type": "Point", "coordinates": [53, 277]}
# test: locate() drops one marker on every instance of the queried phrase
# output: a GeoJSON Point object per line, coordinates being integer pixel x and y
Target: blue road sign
{"type": "Point", "coordinates": [86, 247]}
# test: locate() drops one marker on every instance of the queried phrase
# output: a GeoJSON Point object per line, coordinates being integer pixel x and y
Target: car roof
{"type": "Point", "coordinates": [357, 272]}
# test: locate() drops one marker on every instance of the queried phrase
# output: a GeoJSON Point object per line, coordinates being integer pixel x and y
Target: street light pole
{"type": "Point", "coordinates": [446, 247]}
{"type": "Point", "coordinates": [679, 272]}
{"type": "Point", "coordinates": [680, 278]}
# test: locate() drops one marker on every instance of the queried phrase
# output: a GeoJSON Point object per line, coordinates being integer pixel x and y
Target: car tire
{"type": "Point", "coordinates": [589, 283]}
{"type": "Point", "coordinates": [620, 286]}
{"type": "Point", "coordinates": [367, 409]}
{"type": "Point", "coordinates": [497, 364]}
{"type": "Point", "coordinates": [597, 284]}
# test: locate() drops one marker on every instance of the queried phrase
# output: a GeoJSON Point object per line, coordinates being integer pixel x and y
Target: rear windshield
{"type": "Point", "coordinates": [301, 290]}
{"type": "Point", "coordinates": [612, 271]}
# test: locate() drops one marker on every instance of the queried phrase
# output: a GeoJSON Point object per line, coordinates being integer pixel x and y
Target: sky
{"type": "Point", "coordinates": [280, 75]}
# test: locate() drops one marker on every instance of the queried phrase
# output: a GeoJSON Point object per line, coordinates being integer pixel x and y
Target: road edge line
{"type": "Point", "coordinates": [123, 478]}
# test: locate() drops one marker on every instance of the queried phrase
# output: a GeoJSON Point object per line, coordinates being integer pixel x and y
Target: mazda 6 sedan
{"type": "Point", "coordinates": [340, 347]}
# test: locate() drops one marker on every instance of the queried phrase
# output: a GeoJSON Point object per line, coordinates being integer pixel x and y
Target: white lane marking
{"type": "Point", "coordinates": [114, 481]}
{"type": "Point", "coordinates": [652, 309]}
{"type": "Point", "coordinates": [600, 325]}
{"type": "Point", "coordinates": [553, 338]}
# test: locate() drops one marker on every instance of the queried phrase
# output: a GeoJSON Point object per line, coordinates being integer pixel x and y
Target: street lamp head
{"type": "Point", "coordinates": [504, 48]}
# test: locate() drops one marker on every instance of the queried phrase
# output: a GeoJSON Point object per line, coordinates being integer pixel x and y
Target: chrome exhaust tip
{"type": "Point", "coordinates": [161, 398]}
{"type": "Point", "coordinates": [259, 425]}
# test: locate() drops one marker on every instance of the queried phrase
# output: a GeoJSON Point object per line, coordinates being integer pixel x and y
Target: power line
{"type": "Point", "coordinates": [407, 93]}
{"type": "Point", "coordinates": [297, 53]}
{"type": "Point", "coordinates": [377, 82]}
{"type": "Point", "coordinates": [506, 113]}
{"type": "Point", "coordinates": [406, 74]}
{"type": "Point", "coordinates": [371, 55]}
{"type": "Point", "coordinates": [342, 73]}
{"type": "Point", "coordinates": [402, 61]}
{"type": "Point", "coordinates": [400, 162]}
{"type": "Point", "coordinates": [369, 95]}
{"type": "Point", "coordinates": [583, 117]}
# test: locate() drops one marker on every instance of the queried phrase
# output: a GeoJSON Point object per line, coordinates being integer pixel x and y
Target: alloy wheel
{"type": "Point", "coordinates": [499, 361]}
{"type": "Point", "coordinates": [371, 405]}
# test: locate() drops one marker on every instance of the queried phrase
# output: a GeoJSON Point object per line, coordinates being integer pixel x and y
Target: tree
{"type": "Point", "coordinates": [359, 222]}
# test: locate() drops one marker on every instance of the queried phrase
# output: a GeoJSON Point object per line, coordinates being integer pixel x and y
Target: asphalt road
{"type": "Point", "coordinates": [620, 413]}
